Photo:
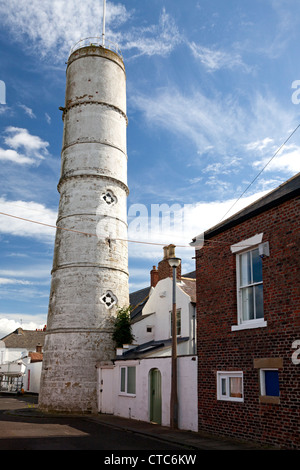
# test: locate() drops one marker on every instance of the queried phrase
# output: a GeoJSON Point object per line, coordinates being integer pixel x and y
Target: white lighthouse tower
{"type": "Point", "coordinates": [90, 265]}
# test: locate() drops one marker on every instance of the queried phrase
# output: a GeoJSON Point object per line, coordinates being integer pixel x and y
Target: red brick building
{"type": "Point", "coordinates": [248, 317]}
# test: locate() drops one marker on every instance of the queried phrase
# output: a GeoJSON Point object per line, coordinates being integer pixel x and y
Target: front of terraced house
{"type": "Point", "coordinates": [248, 313]}
{"type": "Point", "coordinates": [137, 383]}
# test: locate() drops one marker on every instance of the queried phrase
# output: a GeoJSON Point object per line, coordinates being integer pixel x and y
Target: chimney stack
{"type": "Point", "coordinates": [164, 269]}
{"type": "Point", "coordinates": [154, 276]}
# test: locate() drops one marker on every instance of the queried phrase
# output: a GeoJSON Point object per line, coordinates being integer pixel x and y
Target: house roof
{"type": "Point", "coordinates": [189, 287]}
{"type": "Point", "coordinates": [151, 346]}
{"type": "Point", "coordinates": [137, 301]}
{"type": "Point", "coordinates": [35, 356]}
{"type": "Point", "coordinates": [141, 317]}
{"type": "Point", "coordinates": [139, 298]}
{"type": "Point", "coordinates": [191, 275]}
{"type": "Point", "coordinates": [284, 192]}
{"type": "Point", "coordinates": [25, 339]}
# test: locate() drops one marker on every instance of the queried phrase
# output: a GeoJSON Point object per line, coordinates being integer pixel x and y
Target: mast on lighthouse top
{"type": "Point", "coordinates": [97, 40]}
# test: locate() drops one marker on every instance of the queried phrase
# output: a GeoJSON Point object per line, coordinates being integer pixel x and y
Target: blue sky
{"type": "Point", "coordinates": [212, 93]}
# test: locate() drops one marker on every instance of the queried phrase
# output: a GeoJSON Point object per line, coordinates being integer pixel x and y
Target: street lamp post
{"type": "Point", "coordinates": [174, 263]}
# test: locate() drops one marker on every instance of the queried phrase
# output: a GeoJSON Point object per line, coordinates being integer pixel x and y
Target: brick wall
{"type": "Point", "coordinates": [164, 269]}
{"type": "Point", "coordinates": [221, 349]}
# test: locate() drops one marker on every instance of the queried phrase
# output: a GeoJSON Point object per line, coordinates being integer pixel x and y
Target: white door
{"type": "Point", "coordinates": [106, 391]}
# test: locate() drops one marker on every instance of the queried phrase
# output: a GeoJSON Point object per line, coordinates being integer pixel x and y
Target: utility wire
{"type": "Point", "coordinates": [156, 243]}
{"type": "Point", "coordinates": [107, 238]}
{"type": "Point", "coordinates": [86, 233]}
{"type": "Point", "coordinates": [278, 150]}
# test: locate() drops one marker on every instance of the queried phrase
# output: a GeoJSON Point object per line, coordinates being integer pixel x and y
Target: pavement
{"type": "Point", "coordinates": [191, 440]}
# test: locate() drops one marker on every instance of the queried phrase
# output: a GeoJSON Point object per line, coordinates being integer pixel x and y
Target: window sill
{"type": "Point", "coordinates": [130, 395]}
{"type": "Point", "coordinates": [249, 325]}
{"type": "Point", "coordinates": [269, 399]}
{"type": "Point", "coordinates": [231, 399]}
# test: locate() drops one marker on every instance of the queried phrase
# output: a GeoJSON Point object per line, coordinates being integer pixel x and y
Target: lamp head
{"type": "Point", "coordinates": [174, 262]}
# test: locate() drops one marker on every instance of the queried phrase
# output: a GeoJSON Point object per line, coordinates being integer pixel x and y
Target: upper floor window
{"type": "Point", "coordinates": [249, 276]}
{"type": "Point", "coordinates": [178, 322]}
{"type": "Point", "coordinates": [250, 286]}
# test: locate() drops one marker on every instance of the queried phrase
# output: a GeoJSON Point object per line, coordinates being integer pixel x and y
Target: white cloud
{"type": "Point", "coordinates": [176, 224]}
{"type": "Point", "coordinates": [48, 118]}
{"type": "Point", "coordinates": [190, 220]}
{"type": "Point", "coordinates": [197, 117]}
{"type": "Point", "coordinates": [228, 165]}
{"type": "Point", "coordinates": [19, 320]}
{"type": "Point", "coordinates": [157, 39]}
{"type": "Point", "coordinates": [287, 161]}
{"type": "Point", "coordinates": [30, 283]}
{"type": "Point", "coordinates": [219, 125]}
{"type": "Point", "coordinates": [27, 210]}
{"type": "Point", "coordinates": [28, 111]}
{"type": "Point", "coordinates": [32, 272]}
{"type": "Point", "coordinates": [33, 148]}
{"type": "Point", "coordinates": [53, 26]}
{"type": "Point", "coordinates": [214, 59]}
{"type": "Point", "coordinates": [17, 137]}
{"type": "Point", "coordinates": [5, 281]}
{"type": "Point", "coordinates": [15, 157]}
{"type": "Point", "coordinates": [259, 145]}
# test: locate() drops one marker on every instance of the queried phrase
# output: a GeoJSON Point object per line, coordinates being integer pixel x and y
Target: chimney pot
{"type": "Point", "coordinates": [154, 276]}
{"type": "Point", "coordinates": [164, 269]}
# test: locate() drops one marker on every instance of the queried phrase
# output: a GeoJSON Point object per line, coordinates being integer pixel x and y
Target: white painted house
{"type": "Point", "coordinates": [21, 361]}
{"type": "Point", "coordinates": [137, 383]}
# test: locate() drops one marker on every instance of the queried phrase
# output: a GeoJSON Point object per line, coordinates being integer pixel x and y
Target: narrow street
{"type": "Point", "coordinates": [21, 431]}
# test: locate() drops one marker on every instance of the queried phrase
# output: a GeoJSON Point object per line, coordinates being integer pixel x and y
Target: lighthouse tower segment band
{"type": "Point", "coordinates": [90, 269]}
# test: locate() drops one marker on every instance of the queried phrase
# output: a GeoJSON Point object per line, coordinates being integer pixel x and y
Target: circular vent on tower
{"type": "Point", "coordinates": [109, 198]}
{"type": "Point", "coordinates": [109, 299]}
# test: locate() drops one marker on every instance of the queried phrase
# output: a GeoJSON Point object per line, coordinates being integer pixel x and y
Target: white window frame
{"type": "Point", "coordinates": [227, 375]}
{"type": "Point", "coordinates": [242, 288]}
{"type": "Point", "coordinates": [238, 249]}
{"type": "Point", "coordinates": [262, 381]}
{"type": "Point", "coordinates": [125, 391]}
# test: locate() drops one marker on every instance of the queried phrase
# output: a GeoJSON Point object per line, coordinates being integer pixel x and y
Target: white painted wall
{"type": "Point", "coordinates": [137, 406]}
{"type": "Point", "coordinates": [32, 378]}
{"type": "Point", "coordinates": [32, 375]}
{"type": "Point", "coordinates": [11, 354]}
{"type": "Point", "coordinates": [156, 314]}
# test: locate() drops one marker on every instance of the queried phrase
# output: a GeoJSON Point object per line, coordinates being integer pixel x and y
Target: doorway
{"type": "Point", "coordinates": [105, 391]}
{"type": "Point", "coordinates": [155, 396]}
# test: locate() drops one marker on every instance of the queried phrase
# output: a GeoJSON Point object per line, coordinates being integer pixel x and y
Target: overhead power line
{"type": "Point", "coordinates": [257, 176]}
{"type": "Point", "coordinates": [86, 233]}
{"type": "Point", "coordinates": [107, 238]}
{"type": "Point", "coordinates": [156, 243]}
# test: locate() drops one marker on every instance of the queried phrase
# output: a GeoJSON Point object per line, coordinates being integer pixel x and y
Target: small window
{"type": "Point", "coordinates": [127, 380]}
{"type": "Point", "coordinates": [269, 382]}
{"type": "Point", "coordinates": [149, 329]}
{"type": "Point", "coordinates": [230, 386]}
{"type": "Point", "coordinates": [178, 322]}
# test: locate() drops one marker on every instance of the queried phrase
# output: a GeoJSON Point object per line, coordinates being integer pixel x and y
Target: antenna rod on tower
{"type": "Point", "coordinates": [103, 27]}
